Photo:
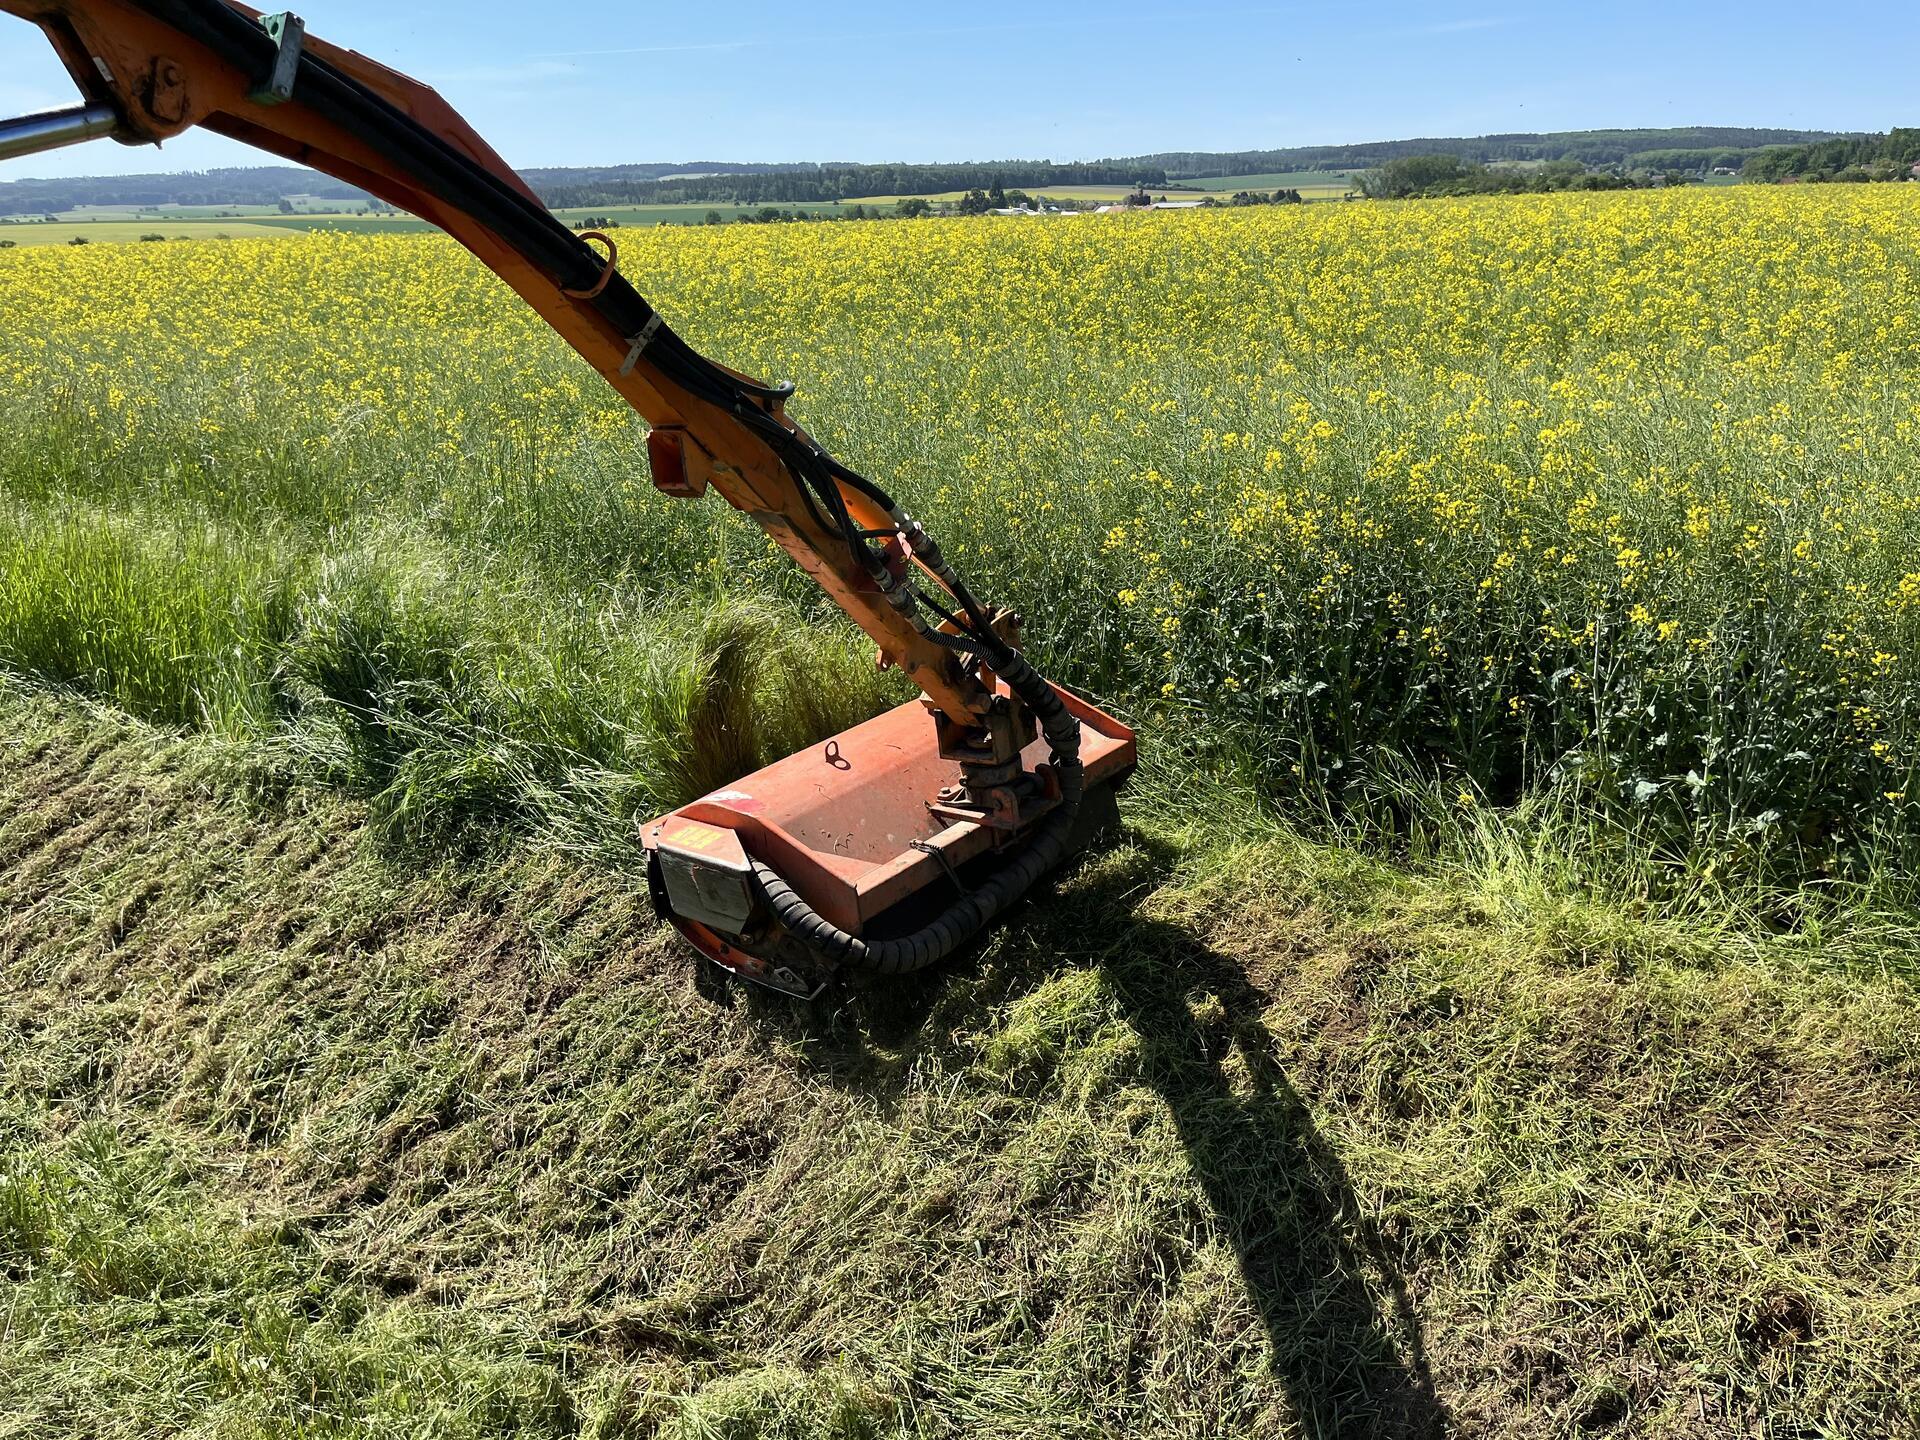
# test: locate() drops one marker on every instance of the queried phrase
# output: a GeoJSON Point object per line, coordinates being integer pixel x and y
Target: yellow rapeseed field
{"type": "Point", "coordinates": [1609, 492]}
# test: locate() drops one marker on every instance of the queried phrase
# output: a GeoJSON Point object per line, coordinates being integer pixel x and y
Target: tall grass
{"type": "Point", "coordinates": [177, 621]}
{"type": "Point", "coordinates": [463, 700]}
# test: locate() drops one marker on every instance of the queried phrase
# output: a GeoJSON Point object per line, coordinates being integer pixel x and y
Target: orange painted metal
{"type": "Point", "coordinates": [163, 83]}
{"type": "Point", "coordinates": [849, 823]}
{"type": "Point", "coordinates": [841, 822]}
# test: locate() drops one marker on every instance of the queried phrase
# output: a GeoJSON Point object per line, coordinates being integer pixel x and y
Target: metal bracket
{"type": "Point", "coordinates": [641, 342]}
{"type": "Point", "coordinates": [163, 92]}
{"type": "Point", "coordinates": [287, 30]}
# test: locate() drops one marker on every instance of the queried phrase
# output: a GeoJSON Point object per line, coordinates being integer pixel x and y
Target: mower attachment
{"type": "Point", "coordinates": [856, 826]}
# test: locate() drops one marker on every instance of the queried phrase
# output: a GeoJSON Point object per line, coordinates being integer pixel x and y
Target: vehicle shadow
{"type": "Point", "coordinates": [1345, 1338]}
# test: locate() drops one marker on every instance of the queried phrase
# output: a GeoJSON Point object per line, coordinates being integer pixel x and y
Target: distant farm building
{"type": "Point", "coordinates": [1153, 205]}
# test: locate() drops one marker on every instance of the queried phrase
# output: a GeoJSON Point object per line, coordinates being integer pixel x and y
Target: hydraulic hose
{"type": "Point", "coordinates": [531, 230]}
{"type": "Point", "coordinates": [966, 917]}
{"type": "Point", "coordinates": [456, 179]}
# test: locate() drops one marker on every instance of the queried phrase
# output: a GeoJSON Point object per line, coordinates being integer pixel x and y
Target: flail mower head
{"type": "Point", "coordinates": [881, 851]}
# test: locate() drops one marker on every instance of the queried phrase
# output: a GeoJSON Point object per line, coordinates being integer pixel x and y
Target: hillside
{"type": "Point", "coordinates": [749, 183]}
{"type": "Point", "coordinates": [252, 185]}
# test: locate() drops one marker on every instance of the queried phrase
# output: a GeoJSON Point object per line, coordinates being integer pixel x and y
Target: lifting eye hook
{"type": "Point", "coordinates": [606, 272]}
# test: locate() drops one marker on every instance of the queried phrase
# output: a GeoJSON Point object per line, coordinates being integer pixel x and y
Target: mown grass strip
{"type": "Point", "coordinates": [1254, 1136]}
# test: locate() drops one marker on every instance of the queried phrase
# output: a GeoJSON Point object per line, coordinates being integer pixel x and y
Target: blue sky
{"type": "Point", "coordinates": [756, 80]}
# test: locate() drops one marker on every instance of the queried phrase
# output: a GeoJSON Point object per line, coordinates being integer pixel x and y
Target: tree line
{"type": "Point", "coordinates": [1874, 157]}
{"type": "Point", "coordinates": [253, 185]}
{"type": "Point", "coordinates": [1634, 149]}
{"type": "Point", "coordinates": [1692, 147]}
{"type": "Point", "coordinates": [1409, 177]}
{"type": "Point", "coordinates": [737, 183]}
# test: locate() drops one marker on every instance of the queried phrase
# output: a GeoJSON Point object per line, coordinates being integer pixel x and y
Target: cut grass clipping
{"type": "Point", "coordinates": [1226, 1137]}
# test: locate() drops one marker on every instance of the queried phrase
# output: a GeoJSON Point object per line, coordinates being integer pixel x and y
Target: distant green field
{"type": "Point", "coordinates": [886, 202]}
{"type": "Point", "coordinates": [622, 215]}
{"type": "Point", "coordinates": [1320, 181]}
{"type": "Point", "coordinates": [118, 224]}
{"type": "Point", "coordinates": [302, 205]}
{"type": "Point", "coordinates": [692, 214]}
{"type": "Point", "coordinates": [354, 224]}
{"type": "Point", "coordinates": [107, 232]}
{"type": "Point", "coordinates": [81, 213]}
{"type": "Point", "coordinates": [1312, 184]}
{"type": "Point", "coordinates": [1098, 194]}
{"type": "Point", "coordinates": [109, 224]}
{"type": "Point", "coordinates": [205, 222]}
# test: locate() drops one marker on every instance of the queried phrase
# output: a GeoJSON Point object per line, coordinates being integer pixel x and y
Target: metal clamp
{"type": "Point", "coordinates": [640, 343]}
{"type": "Point", "coordinates": [288, 31]}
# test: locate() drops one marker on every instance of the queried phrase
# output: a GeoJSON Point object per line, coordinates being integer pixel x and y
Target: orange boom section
{"type": "Point", "coordinates": [900, 840]}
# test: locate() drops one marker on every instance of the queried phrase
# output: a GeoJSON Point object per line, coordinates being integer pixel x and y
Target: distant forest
{"type": "Point", "coordinates": [1647, 149]}
{"type": "Point", "coordinates": [733, 182]}
{"type": "Point", "coordinates": [1692, 147]}
{"type": "Point", "coordinates": [257, 185]}
{"type": "Point", "coordinates": [1873, 157]}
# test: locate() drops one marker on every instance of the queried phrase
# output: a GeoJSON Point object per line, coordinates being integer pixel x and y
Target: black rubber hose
{"type": "Point", "coordinates": [460, 181]}
{"type": "Point", "coordinates": [964, 919]}
{"type": "Point", "coordinates": [454, 178]}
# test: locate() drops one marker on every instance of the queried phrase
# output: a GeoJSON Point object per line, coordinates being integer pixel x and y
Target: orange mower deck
{"type": "Point", "coordinates": [849, 825]}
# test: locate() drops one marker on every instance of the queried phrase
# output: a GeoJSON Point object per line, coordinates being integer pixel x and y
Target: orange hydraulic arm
{"type": "Point", "coordinates": [829, 859]}
{"type": "Point", "coordinates": [153, 68]}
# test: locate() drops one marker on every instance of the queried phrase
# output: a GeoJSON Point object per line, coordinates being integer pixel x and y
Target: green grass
{"type": "Point", "coordinates": [457, 702]}
{"type": "Point", "coordinates": [120, 232]}
{"type": "Point", "coordinates": [351, 1089]}
{"type": "Point", "coordinates": [1307, 182]}
{"type": "Point", "coordinates": [1233, 1134]}
{"type": "Point", "coordinates": [140, 1302]}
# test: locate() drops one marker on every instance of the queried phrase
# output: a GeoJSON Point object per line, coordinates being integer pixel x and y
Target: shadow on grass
{"type": "Point", "coordinates": [1345, 1338]}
